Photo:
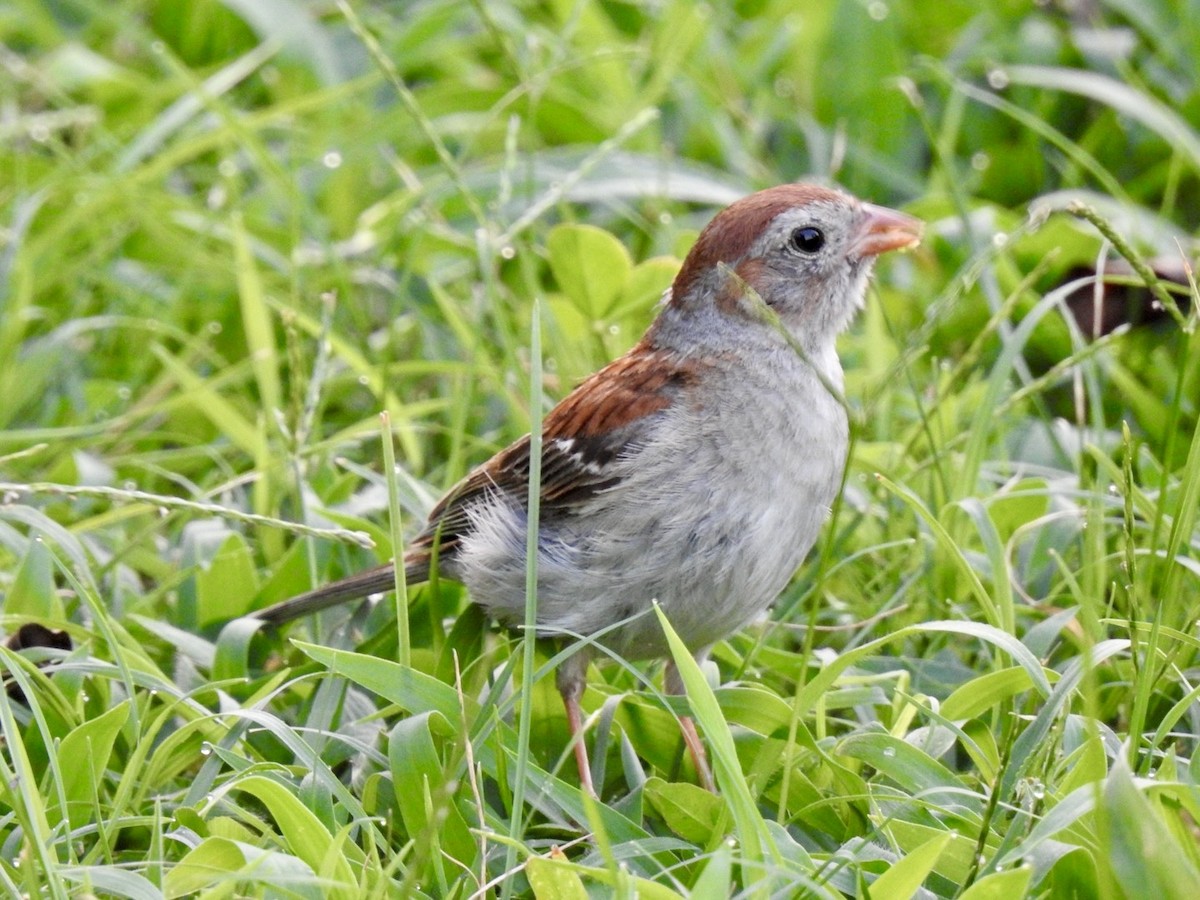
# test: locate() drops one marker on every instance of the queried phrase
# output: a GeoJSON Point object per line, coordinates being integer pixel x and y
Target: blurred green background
{"type": "Point", "coordinates": [231, 233]}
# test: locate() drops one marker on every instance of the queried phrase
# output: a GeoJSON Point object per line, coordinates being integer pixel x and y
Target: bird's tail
{"type": "Point", "coordinates": [354, 587]}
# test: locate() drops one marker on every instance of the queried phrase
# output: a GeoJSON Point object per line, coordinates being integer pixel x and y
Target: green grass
{"type": "Point", "coordinates": [234, 234]}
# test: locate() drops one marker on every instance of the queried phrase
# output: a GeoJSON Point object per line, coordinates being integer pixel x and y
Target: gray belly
{"type": "Point", "coordinates": [711, 519]}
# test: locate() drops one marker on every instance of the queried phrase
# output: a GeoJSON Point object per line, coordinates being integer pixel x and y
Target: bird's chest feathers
{"type": "Point", "coordinates": [775, 445]}
{"type": "Point", "coordinates": [740, 484]}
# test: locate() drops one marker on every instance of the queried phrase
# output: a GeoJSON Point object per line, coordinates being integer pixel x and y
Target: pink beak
{"type": "Point", "coordinates": [884, 229]}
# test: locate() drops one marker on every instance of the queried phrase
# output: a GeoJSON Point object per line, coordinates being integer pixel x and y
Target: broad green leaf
{"type": "Point", "coordinates": [645, 287]}
{"type": "Point", "coordinates": [1087, 765]}
{"type": "Point", "coordinates": [418, 775]}
{"type": "Point", "coordinates": [1000, 885]}
{"type": "Point", "coordinates": [982, 693]}
{"type": "Point", "coordinates": [717, 878]}
{"type": "Point", "coordinates": [86, 751]}
{"type": "Point", "coordinates": [957, 857]}
{"type": "Point", "coordinates": [755, 707]}
{"type": "Point", "coordinates": [110, 881]}
{"type": "Point", "coordinates": [1019, 504]}
{"type": "Point", "coordinates": [553, 880]}
{"type": "Point", "coordinates": [231, 658]}
{"type": "Point", "coordinates": [227, 585]}
{"type": "Point", "coordinates": [213, 861]}
{"type": "Point", "coordinates": [550, 883]}
{"type": "Point", "coordinates": [1141, 851]}
{"type": "Point", "coordinates": [687, 809]}
{"type": "Point", "coordinates": [906, 765]}
{"type": "Point", "coordinates": [590, 265]}
{"type": "Point", "coordinates": [409, 689]}
{"type": "Point", "coordinates": [32, 590]}
{"type": "Point", "coordinates": [904, 877]}
{"type": "Point", "coordinates": [304, 833]}
{"type": "Point", "coordinates": [227, 827]}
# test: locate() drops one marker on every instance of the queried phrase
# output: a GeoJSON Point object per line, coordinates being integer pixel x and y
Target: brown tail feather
{"type": "Point", "coordinates": [355, 587]}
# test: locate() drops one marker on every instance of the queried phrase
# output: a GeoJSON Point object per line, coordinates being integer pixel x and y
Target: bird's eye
{"type": "Point", "coordinates": [807, 239]}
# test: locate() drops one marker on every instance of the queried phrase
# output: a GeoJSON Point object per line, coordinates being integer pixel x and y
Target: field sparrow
{"type": "Point", "coordinates": [695, 470]}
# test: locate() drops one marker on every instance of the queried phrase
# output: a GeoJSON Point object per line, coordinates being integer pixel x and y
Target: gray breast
{"type": "Point", "coordinates": [713, 513]}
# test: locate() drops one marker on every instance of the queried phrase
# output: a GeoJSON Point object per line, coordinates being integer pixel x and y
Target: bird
{"type": "Point", "coordinates": [695, 471]}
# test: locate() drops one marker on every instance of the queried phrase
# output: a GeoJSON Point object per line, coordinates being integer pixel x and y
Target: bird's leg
{"type": "Point", "coordinates": [673, 684]}
{"type": "Point", "coordinates": [571, 679]}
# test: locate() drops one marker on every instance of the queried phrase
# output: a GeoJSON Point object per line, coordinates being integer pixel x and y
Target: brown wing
{"type": "Point", "coordinates": [582, 437]}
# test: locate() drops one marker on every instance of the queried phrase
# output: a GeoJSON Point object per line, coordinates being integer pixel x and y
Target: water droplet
{"type": "Point", "coordinates": [998, 79]}
{"type": "Point", "coordinates": [228, 168]}
{"type": "Point", "coordinates": [206, 749]}
{"type": "Point", "coordinates": [508, 251]}
{"type": "Point", "coordinates": [999, 239]}
{"type": "Point", "coordinates": [980, 161]}
{"type": "Point", "coordinates": [124, 392]}
{"type": "Point", "coordinates": [331, 160]}
{"type": "Point", "coordinates": [665, 218]}
{"type": "Point", "coordinates": [215, 327]}
{"type": "Point", "coordinates": [364, 380]}
{"type": "Point", "coordinates": [889, 752]}
{"type": "Point", "coordinates": [158, 47]}
{"type": "Point", "coordinates": [614, 330]}
{"type": "Point", "coordinates": [877, 10]}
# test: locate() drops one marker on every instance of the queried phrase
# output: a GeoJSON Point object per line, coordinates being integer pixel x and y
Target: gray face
{"type": "Point", "coordinates": [806, 267]}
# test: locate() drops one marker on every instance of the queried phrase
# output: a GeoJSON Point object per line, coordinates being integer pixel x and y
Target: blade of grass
{"type": "Point", "coordinates": [403, 650]}
{"type": "Point", "coordinates": [754, 837]}
{"type": "Point", "coordinates": [1138, 105]}
{"type": "Point", "coordinates": [529, 640]}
